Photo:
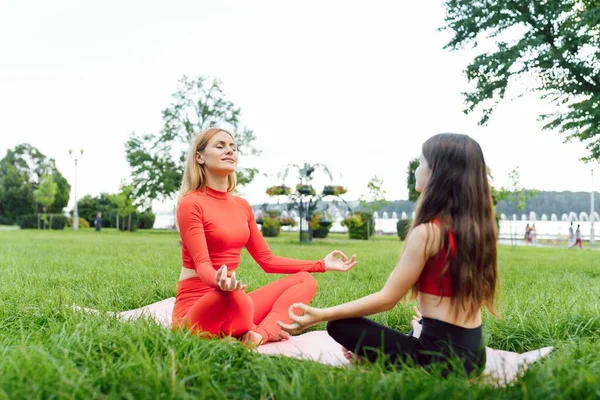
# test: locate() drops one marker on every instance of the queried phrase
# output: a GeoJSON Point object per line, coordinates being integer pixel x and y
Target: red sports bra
{"type": "Point", "coordinates": [429, 279]}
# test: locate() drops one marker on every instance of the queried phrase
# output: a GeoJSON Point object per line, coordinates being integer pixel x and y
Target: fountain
{"type": "Point", "coordinates": [572, 217]}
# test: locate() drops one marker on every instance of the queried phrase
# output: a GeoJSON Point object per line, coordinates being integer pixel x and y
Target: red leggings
{"type": "Point", "coordinates": [235, 313]}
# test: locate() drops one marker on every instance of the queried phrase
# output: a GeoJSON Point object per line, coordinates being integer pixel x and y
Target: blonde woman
{"type": "Point", "coordinates": [214, 225]}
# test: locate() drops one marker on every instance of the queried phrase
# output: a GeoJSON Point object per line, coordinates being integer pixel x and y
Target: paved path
{"type": "Point", "coordinates": [507, 242]}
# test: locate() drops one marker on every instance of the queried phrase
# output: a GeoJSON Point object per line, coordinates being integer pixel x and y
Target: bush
{"type": "Point", "coordinates": [68, 223]}
{"type": "Point", "coordinates": [52, 221]}
{"type": "Point", "coordinates": [124, 222]}
{"type": "Point", "coordinates": [58, 221]}
{"type": "Point", "coordinates": [361, 225]}
{"type": "Point", "coordinates": [146, 220]}
{"type": "Point", "coordinates": [319, 226]}
{"type": "Point", "coordinates": [287, 221]}
{"type": "Point", "coordinates": [402, 227]}
{"type": "Point", "coordinates": [5, 220]}
{"type": "Point", "coordinates": [273, 213]}
{"type": "Point", "coordinates": [270, 226]}
{"type": "Point", "coordinates": [29, 221]}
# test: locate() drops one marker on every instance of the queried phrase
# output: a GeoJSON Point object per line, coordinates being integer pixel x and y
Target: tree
{"type": "Point", "coordinates": [88, 206]}
{"type": "Point", "coordinates": [556, 42]}
{"type": "Point", "coordinates": [411, 181]}
{"type": "Point", "coordinates": [124, 203]}
{"type": "Point", "coordinates": [46, 192]}
{"type": "Point", "coordinates": [31, 165]}
{"type": "Point", "coordinates": [515, 194]}
{"type": "Point", "coordinates": [157, 159]}
{"type": "Point", "coordinates": [16, 196]}
{"type": "Point", "coordinates": [361, 224]}
{"type": "Point", "coordinates": [376, 198]}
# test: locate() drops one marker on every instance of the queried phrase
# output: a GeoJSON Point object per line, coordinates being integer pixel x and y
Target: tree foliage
{"type": "Point", "coordinates": [554, 43]}
{"type": "Point", "coordinates": [157, 159]}
{"type": "Point", "coordinates": [411, 181]}
{"type": "Point", "coordinates": [515, 194]}
{"type": "Point", "coordinates": [21, 172]}
{"type": "Point", "coordinates": [46, 191]}
{"type": "Point", "coordinates": [375, 198]}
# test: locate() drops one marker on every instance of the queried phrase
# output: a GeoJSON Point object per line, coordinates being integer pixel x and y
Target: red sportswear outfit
{"type": "Point", "coordinates": [429, 280]}
{"type": "Point", "coordinates": [214, 226]}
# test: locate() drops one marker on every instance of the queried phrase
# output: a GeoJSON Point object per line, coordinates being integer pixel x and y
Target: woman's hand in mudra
{"type": "Point", "coordinates": [338, 261]}
{"type": "Point", "coordinates": [226, 283]}
{"type": "Point", "coordinates": [311, 316]}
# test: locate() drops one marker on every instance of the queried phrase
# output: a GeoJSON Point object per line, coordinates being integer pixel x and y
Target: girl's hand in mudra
{"type": "Point", "coordinates": [226, 283]}
{"type": "Point", "coordinates": [338, 261]}
{"type": "Point", "coordinates": [311, 316]}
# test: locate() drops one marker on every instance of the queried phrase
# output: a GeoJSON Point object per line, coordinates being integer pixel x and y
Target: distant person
{"type": "Point", "coordinates": [578, 237]}
{"type": "Point", "coordinates": [528, 234]}
{"type": "Point", "coordinates": [98, 222]}
{"type": "Point", "coordinates": [533, 234]}
{"type": "Point", "coordinates": [571, 236]}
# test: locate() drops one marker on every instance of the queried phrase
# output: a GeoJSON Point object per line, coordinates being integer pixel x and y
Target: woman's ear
{"type": "Point", "coordinates": [199, 159]}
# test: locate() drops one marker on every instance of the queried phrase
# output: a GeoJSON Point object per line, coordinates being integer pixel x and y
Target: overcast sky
{"type": "Point", "coordinates": [355, 85]}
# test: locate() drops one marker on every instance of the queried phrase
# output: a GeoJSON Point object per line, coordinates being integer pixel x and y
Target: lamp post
{"type": "Point", "coordinates": [592, 238]}
{"type": "Point", "coordinates": [76, 158]}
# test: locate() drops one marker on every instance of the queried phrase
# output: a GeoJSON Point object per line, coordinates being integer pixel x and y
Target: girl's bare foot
{"type": "Point", "coordinates": [416, 323]}
{"type": "Point", "coordinates": [353, 358]}
{"type": "Point", "coordinates": [252, 339]}
{"type": "Point", "coordinates": [282, 335]}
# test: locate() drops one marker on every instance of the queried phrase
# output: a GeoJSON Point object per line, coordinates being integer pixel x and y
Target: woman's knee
{"type": "Point", "coordinates": [307, 280]}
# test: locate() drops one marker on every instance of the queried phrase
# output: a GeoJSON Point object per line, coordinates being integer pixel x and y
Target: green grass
{"type": "Point", "coordinates": [549, 297]}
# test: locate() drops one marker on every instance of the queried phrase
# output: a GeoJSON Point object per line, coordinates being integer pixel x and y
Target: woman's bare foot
{"type": "Point", "coordinates": [353, 358]}
{"type": "Point", "coordinates": [252, 339]}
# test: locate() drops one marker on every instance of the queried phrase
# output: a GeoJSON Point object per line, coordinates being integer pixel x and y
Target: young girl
{"type": "Point", "coordinates": [214, 225]}
{"type": "Point", "coordinates": [449, 261]}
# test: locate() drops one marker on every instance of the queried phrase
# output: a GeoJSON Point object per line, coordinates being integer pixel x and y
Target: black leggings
{"type": "Point", "coordinates": [439, 342]}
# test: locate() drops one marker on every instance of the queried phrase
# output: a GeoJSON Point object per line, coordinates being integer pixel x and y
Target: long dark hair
{"type": "Point", "coordinates": [459, 195]}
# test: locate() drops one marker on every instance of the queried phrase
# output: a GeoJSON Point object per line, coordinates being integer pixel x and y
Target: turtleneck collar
{"type": "Point", "coordinates": [217, 194]}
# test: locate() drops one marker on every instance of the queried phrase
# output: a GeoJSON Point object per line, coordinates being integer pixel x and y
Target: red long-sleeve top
{"type": "Point", "coordinates": [215, 225]}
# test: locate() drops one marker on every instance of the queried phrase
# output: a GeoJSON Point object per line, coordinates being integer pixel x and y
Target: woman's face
{"type": "Point", "coordinates": [422, 174]}
{"type": "Point", "coordinates": [220, 155]}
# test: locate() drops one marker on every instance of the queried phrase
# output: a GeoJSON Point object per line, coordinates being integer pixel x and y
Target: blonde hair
{"type": "Point", "coordinates": [194, 175]}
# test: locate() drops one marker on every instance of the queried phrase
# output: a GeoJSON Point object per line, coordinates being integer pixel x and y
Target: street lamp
{"type": "Point", "coordinates": [592, 238]}
{"type": "Point", "coordinates": [76, 158]}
